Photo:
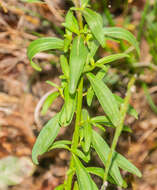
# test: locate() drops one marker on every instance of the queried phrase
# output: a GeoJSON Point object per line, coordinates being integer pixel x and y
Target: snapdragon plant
{"type": "Point", "coordinates": [84, 34]}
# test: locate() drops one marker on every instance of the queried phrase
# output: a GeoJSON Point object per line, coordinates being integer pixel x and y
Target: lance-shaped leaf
{"type": "Point", "coordinates": [45, 138]}
{"type": "Point", "coordinates": [43, 44]}
{"type": "Point", "coordinates": [78, 58]}
{"type": "Point", "coordinates": [71, 22]}
{"type": "Point", "coordinates": [68, 109]}
{"type": "Point", "coordinates": [60, 187]}
{"type": "Point", "coordinates": [106, 98]}
{"type": "Point", "coordinates": [60, 144]}
{"type": "Point", "coordinates": [84, 179]}
{"type": "Point", "coordinates": [111, 58]}
{"type": "Point", "coordinates": [102, 150]}
{"type": "Point", "coordinates": [106, 122]}
{"type": "Point", "coordinates": [95, 22]}
{"type": "Point", "coordinates": [84, 3]}
{"type": "Point", "coordinates": [126, 165]}
{"type": "Point", "coordinates": [90, 95]}
{"type": "Point", "coordinates": [48, 102]}
{"type": "Point", "coordinates": [100, 172]}
{"type": "Point", "coordinates": [93, 47]}
{"type": "Point", "coordinates": [87, 130]}
{"type": "Point", "coordinates": [121, 33]}
{"type": "Point", "coordinates": [64, 65]}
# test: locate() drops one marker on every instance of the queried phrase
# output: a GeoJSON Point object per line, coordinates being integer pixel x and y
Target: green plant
{"type": "Point", "coordinates": [77, 60]}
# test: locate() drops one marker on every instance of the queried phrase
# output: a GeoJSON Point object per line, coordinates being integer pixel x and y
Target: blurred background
{"type": "Point", "coordinates": [22, 89]}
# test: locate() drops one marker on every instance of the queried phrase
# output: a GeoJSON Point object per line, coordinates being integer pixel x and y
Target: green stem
{"type": "Point", "coordinates": [77, 4]}
{"type": "Point", "coordinates": [119, 128]}
{"type": "Point", "coordinates": [75, 139]}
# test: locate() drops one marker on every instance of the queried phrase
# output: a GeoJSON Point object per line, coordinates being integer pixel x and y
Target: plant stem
{"type": "Point", "coordinates": [75, 139]}
{"type": "Point", "coordinates": [77, 4]}
{"type": "Point", "coordinates": [119, 128]}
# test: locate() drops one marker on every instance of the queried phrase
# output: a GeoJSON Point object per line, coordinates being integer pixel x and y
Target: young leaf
{"type": "Point", "coordinates": [68, 109]}
{"type": "Point", "coordinates": [126, 165]}
{"type": "Point", "coordinates": [105, 121]}
{"type": "Point", "coordinates": [76, 187]}
{"type": "Point", "coordinates": [111, 58]}
{"type": "Point", "coordinates": [60, 187]}
{"type": "Point", "coordinates": [96, 171]}
{"type": "Point", "coordinates": [121, 33]}
{"type": "Point", "coordinates": [84, 3]}
{"type": "Point", "coordinates": [78, 58]}
{"type": "Point", "coordinates": [100, 173]}
{"type": "Point", "coordinates": [131, 110]}
{"type": "Point", "coordinates": [80, 154]}
{"type": "Point", "coordinates": [71, 22]}
{"type": "Point", "coordinates": [45, 138]}
{"type": "Point", "coordinates": [64, 66]}
{"type": "Point", "coordinates": [84, 179]}
{"type": "Point", "coordinates": [93, 47]}
{"type": "Point", "coordinates": [67, 40]}
{"type": "Point", "coordinates": [90, 94]}
{"type": "Point", "coordinates": [95, 22]}
{"type": "Point", "coordinates": [118, 159]}
{"type": "Point", "coordinates": [87, 130]}
{"type": "Point", "coordinates": [48, 102]}
{"type": "Point", "coordinates": [60, 144]}
{"type": "Point", "coordinates": [43, 44]}
{"type": "Point", "coordinates": [102, 150]}
{"type": "Point", "coordinates": [106, 99]}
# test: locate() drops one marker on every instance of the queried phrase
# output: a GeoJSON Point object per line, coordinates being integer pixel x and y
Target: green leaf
{"type": "Point", "coordinates": [95, 22]}
{"type": "Point", "coordinates": [43, 44]}
{"type": "Point", "coordinates": [80, 154]}
{"type": "Point", "coordinates": [87, 130]}
{"type": "Point", "coordinates": [121, 33]}
{"type": "Point", "coordinates": [71, 22]}
{"type": "Point", "coordinates": [90, 93]}
{"type": "Point", "coordinates": [126, 165]}
{"type": "Point", "coordinates": [67, 40]}
{"type": "Point", "coordinates": [89, 97]}
{"type": "Point", "coordinates": [68, 109]}
{"type": "Point", "coordinates": [106, 99]}
{"type": "Point", "coordinates": [45, 138]}
{"type": "Point", "coordinates": [93, 47]}
{"type": "Point", "coordinates": [100, 173]}
{"type": "Point", "coordinates": [102, 150]}
{"type": "Point", "coordinates": [96, 171]}
{"type": "Point", "coordinates": [60, 187]}
{"type": "Point", "coordinates": [48, 102]}
{"type": "Point", "coordinates": [111, 58]}
{"type": "Point", "coordinates": [84, 3]}
{"type": "Point", "coordinates": [131, 110]}
{"type": "Point", "coordinates": [76, 187]}
{"type": "Point", "coordinates": [101, 146]}
{"type": "Point", "coordinates": [84, 179]}
{"type": "Point", "coordinates": [78, 58]}
{"type": "Point", "coordinates": [60, 144]}
{"type": "Point", "coordinates": [64, 66]}
{"type": "Point", "coordinates": [105, 121]}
